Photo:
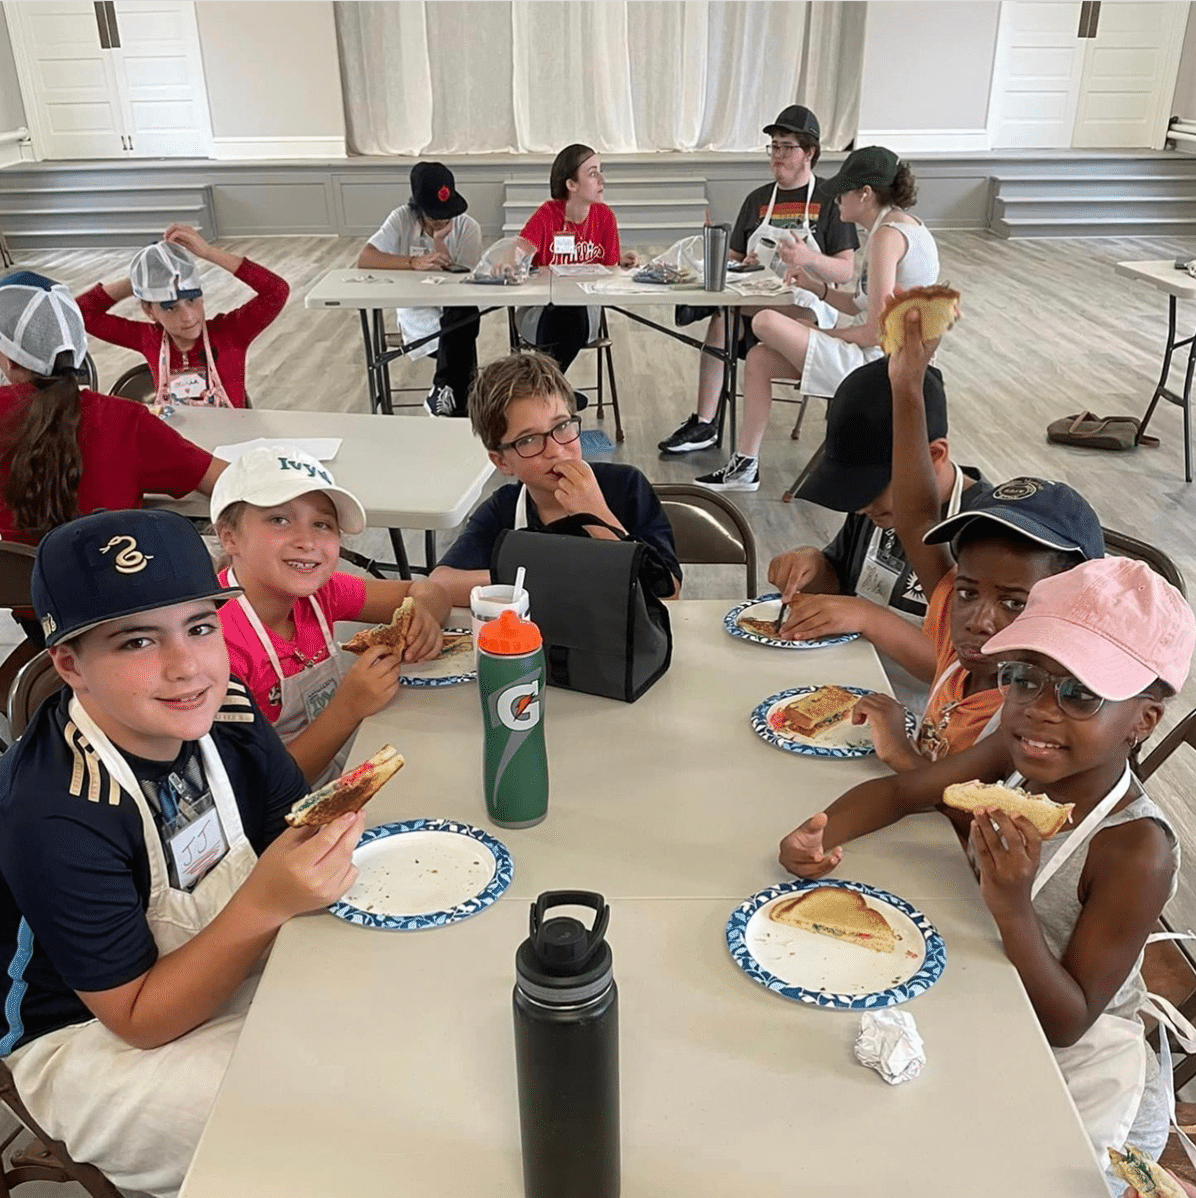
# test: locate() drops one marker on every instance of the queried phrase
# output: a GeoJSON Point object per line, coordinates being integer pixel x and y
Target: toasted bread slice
{"type": "Point", "coordinates": [350, 792]}
{"type": "Point", "coordinates": [1047, 816]}
{"type": "Point", "coordinates": [838, 913]}
{"type": "Point", "coordinates": [765, 628]}
{"type": "Point", "coordinates": [817, 712]}
{"type": "Point", "coordinates": [394, 635]}
{"type": "Point", "coordinates": [1148, 1177]}
{"type": "Point", "coordinates": [939, 306]}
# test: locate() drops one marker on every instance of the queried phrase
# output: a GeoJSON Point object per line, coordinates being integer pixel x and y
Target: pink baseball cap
{"type": "Point", "coordinates": [1113, 623]}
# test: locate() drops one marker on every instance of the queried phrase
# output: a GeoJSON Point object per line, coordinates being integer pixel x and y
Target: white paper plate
{"type": "Point", "coordinates": [768, 607]}
{"type": "Point", "coordinates": [424, 873]}
{"type": "Point", "coordinates": [453, 666]}
{"type": "Point", "coordinates": [825, 972]}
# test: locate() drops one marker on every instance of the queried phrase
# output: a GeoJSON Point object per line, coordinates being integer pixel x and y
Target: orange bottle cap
{"type": "Point", "coordinates": [509, 636]}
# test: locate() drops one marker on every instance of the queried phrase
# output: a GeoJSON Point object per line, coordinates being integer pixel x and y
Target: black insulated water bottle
{"type": "Point", "coordinates": [567, 1052]}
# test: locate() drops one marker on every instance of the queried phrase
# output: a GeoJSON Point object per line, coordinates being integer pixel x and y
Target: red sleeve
{"type": "Point", "coordinates": [342, 597]}
{"type": "Point", "coordinates": [243, 324]}
{"type": "Point", "coordinates": [610, 238]}
{"type": "Point", "coordinates": [167, 463]}
{"type": "Point", "coordinates": [141, 335]}
{"type": "Point", "coordinates": [539, 230]}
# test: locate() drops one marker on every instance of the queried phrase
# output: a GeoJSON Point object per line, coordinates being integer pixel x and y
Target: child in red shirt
{"type": "Point", "coordinates": [66, 451]}
{"type": "Point", "coordinates": [280, 515]}
{"type": "Point", "coordinates": [574, 226]}
{"type": "Point", "coordinates": [193, 360]}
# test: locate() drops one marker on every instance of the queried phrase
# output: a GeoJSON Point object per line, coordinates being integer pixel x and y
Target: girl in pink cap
{"type": "Point", "coordinates": [1085, 672]}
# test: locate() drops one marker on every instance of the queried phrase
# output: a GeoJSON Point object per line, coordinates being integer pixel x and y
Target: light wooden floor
{"type": "Point", "coordinates": [1048, 330]}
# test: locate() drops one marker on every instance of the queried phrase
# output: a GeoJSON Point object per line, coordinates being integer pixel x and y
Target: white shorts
{"type": "Point", "coordinates": [829, 360]}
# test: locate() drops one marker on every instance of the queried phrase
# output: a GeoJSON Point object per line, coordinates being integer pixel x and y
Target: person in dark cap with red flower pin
{"type": "Point", "coordinates": [431, 232]}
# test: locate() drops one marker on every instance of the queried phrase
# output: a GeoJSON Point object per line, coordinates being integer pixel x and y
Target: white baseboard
{"type": "Point", "coordinates": [14, 152]}
{"type": "Point", "coordinates": [925, 141]}
{"type": "Point", "coordinates": [237, 148]}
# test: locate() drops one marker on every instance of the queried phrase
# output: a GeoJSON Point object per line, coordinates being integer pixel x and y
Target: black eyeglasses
{"type": "Point", "coordinates": [1022, 683]}
{"type": "Point", "coordinates": [781, 149]}
{"type": "Point", "coordinates": [533, 444]}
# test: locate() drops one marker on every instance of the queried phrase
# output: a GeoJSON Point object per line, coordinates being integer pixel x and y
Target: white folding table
{"type": "Point", "coordinates": [397, 1047]}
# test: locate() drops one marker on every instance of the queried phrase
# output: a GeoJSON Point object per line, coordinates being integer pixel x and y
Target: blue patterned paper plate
{"type": "Point", "coordinates": [444, 670]}
{"type": "Point", "coordinates": [424, 873]}
{"type": "Point", "coordinates": [843, 740]}
{"type": "Point", "coordinates": [823, 972]}
{"type": "Point", "coordinates": [768, 607]}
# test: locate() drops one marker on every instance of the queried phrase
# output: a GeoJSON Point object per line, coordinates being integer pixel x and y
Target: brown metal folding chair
{"type": "Point", "coordinates": [708, 529]}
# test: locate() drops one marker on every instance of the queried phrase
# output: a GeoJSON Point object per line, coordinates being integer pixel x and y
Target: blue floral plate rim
{"type": "Point", "coordinates": [731, 625]}
{"type": "Point", "coordinates": [761, 727]}
{"type": "Point", "coordinates": [504, 870]}
{"type": "Point", "coordinates": [933, 963]}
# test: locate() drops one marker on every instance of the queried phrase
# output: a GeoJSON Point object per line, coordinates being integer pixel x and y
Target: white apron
{"type": "Point", "coordinates": [304, 695]}
{"type": "Point", "coordinates": [884, 563]}
{"type": "Point", "coordinates": [823, 312]}
{"type": "Point", "coordinates": [195, 388]}
{"type": "Point", "coordinates": [1105, 1070]}
{"type": "Point", "coordinates": [138, 1112]}
{"type": "Point", "coordinates": [521, 508]}
{"type": "Point", "coordinates": [930, 740]}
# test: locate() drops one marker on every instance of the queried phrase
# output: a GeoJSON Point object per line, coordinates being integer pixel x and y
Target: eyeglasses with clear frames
{"type": "Point", "coordinates": [1022, 683]}
{"type": "Point", "coordinates": [781, 149]}
{"type": "Point", "coordinates": [534, 444]}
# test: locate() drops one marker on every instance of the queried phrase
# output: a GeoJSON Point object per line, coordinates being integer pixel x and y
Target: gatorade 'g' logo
{"type": "Point", "coordinates": [518, 708]}
{"type": "Point", "coordinates": [130, 560]}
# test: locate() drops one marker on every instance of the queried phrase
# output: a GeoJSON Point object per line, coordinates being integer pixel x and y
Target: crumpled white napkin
{"type": "Point", "coordinates": [889, 1043]}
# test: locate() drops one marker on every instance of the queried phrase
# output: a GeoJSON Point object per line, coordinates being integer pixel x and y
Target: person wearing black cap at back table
{"type": "Point", "coordinates": [145, 863]}
{"type": "Point", "coordinates": [431, 232]}
{"type": "Point", "coordinates": [864, 573]}
{"type": "Point", "coordinates": [796, 214]}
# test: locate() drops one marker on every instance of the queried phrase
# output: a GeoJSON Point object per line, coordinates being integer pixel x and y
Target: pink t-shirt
{"type": "Point", "coordinates": [341, 598]}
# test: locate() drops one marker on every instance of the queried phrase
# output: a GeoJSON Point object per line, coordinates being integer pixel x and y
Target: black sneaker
{"type": "Point", "coordinates": [440, 401]}
{"type": "Point", "coordinates": [581, 401]}
{"type": "Point", "coordinates": [694, 434]}
{"type": "Point", "coordinates": [739, 474]}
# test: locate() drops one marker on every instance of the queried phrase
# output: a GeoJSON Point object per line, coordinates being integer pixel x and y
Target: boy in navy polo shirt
{"type": "Point", "coordinates": [145, 864]}
{"type": "Point", "coordinates": [522, 409]}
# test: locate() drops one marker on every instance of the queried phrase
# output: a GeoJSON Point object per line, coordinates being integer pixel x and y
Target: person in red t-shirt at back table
{"type": "Point", "coordinates": [573, 227]}
{"type": "Point", "coordinates": [65, 451]}
{"type": "Point", "coordinates": [193, 360]}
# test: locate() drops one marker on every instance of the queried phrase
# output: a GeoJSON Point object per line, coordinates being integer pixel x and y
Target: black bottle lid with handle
{"type": "Point", "coordinates": [562, 962]}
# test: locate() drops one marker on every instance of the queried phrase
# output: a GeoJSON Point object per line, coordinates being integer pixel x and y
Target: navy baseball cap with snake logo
{"type": "Point", "coordinates": [112, 564]}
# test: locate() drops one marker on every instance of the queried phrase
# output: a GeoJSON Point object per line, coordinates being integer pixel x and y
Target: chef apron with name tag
{"type": "Point", "coordinates": [886, 566]}
{"type": "Point", "coordinates": [190, 386]}
{"type": "Point", "coordinates": [59, 1075]}
{"type": "Point", "coordinates": [417, 323]}
{"type": "Point", "coordinates": [1105, 1069]}
{"type": "Point", "coordinates": [304, 695]}
{"type": "Point", "coordinates": [823, 312]}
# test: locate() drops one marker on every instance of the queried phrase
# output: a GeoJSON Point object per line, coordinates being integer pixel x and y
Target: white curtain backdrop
{"type": "Point", "coordinates": [640, 75]}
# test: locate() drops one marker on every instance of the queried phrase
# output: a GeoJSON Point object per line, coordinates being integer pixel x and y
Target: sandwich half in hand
{"type": "Point", "coordinates": [393, 635]}
{"type": "Point", "coordinates": [350, 792]}
{"type": "Point", "coordinates": [1047, 816]}
{"type": "Point", "coordinates": [1148, 1177]}
{"type": "Point", "coordinates": [939, 306]}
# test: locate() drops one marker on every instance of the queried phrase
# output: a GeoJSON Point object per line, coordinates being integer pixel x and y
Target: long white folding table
{"type": "Point", "coordinates": [422, 474]}
{"type": "Point", "coordinates": [1175, 284]}
{"type": "Point", "coordinates": [376, 1062]}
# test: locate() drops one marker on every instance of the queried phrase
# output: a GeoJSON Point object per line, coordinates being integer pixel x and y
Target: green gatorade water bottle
{"type": "Point", "coordinates": [511, 684]}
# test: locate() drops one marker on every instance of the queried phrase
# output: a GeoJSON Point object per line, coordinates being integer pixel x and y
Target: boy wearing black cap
{"type": "Point", "coordinates": [431, 232]}
{"type": "Point", "coordinates": [797, 221]}
{"type": "Point", "coordinates": [145, 865]}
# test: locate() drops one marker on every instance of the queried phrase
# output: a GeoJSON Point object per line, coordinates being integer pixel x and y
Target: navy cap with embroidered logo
{"type": "Point", "coordinates": [113, 564]}
{"type": "Point", "coordinates": [1053, 514]}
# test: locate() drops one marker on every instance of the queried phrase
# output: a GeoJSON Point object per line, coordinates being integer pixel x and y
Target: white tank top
{"type": "Point", "coordinates": [919, 266]}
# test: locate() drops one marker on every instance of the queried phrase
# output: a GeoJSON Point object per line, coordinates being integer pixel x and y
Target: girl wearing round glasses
{"type": "Point", "coordinates": [522, 409]}
{"type": "Point", "coordinates": [1085, 672]}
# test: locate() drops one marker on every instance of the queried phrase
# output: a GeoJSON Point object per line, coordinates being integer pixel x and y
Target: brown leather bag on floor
{"type": "Point", "coordinates": [1086, 430]}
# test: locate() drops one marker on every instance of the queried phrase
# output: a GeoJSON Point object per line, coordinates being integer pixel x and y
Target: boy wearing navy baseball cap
{"type": "Point", "coordinates": [145, 864]}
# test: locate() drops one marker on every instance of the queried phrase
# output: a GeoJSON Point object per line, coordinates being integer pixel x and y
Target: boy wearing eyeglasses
{"type": "Point", "coordinates": [794, 220]}
{"type": "Point", "coordinates": [522, 409]}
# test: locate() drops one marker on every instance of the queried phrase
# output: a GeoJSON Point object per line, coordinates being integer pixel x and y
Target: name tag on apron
{"type": "Point", "coordinates": [564, 244]}
{"type": "Point", "coordinates": [187, 385]}
{"type": "Point", "coordinates": [315, 700]}
{"type": "Point", "coordinates": [198, 847]}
